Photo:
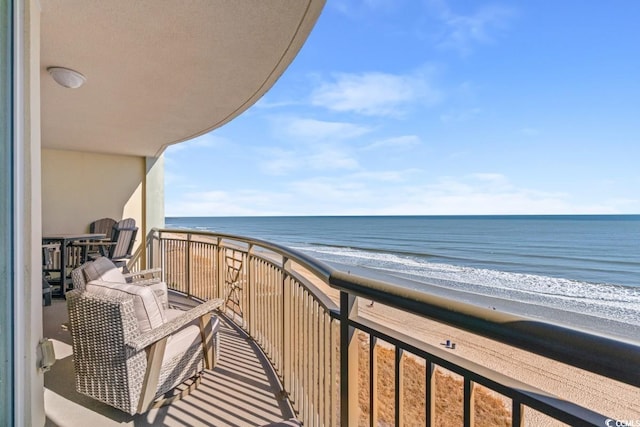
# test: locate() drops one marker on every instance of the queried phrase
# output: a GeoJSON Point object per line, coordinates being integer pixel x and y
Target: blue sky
{"type": "Point", "coordinates": [408, 107]}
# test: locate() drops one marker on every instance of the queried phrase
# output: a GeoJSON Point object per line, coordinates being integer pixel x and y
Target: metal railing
{"type": "Point", "coordinates": [279, 297]}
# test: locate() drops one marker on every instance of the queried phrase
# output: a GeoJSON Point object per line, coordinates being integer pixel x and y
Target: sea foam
{"type": "Point", "coordinates": [608, 301]}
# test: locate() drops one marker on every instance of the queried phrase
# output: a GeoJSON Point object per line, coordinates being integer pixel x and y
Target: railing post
{"type": "Point", "coordinates": [152, 242]}
{"type": "Point", "coordinates": [373, 381]}
{"type": "Point", "coordinates": [517, 420]}
{"type": "Point", "coordinates": [348, 362]}
{"type": "Point", "coordinates": [187, 260]}
{"type": "Point", "coordinates": [286, 325]}
{"type": "Point", "coordinates": [248, 291]}
{"type": "Point", "coordinates": [399, 386]}
{"type": "Point", "coordinates": [221, 273]}
{"type": "Point", "coordinates": [430, 396]}
{"type": "Point", "coordinates": [468, 405]}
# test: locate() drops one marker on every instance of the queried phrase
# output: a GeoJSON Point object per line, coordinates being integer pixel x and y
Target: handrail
{"type": "Point", "coordinates": [596, 353]}
{"type": "Point", "coordinates": [317, 267]}
{"type": "Point", "coordinates": [611, 357]}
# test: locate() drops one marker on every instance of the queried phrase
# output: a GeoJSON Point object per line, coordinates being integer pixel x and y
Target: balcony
{"type": "Point", "coordinates": [299, 339]}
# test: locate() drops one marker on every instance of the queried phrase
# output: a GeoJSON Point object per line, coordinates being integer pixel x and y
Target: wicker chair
{"type": "Point", "coordinates": [102, 268]}
{"type": "Point", "coordinates": [131, 352]}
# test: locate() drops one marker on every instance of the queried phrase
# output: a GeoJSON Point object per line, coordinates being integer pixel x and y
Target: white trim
{"type": "Point", "coordinates": [19, 303]}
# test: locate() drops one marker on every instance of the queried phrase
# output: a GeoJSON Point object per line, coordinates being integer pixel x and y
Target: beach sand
{"type": "Point", "coordinates": [612, 398]}
{"type": "Point", "coordinates": [603, 395]}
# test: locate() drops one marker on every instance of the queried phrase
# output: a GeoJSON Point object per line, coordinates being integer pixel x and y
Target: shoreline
{"type": "Point", "coordinates": [580, 321]}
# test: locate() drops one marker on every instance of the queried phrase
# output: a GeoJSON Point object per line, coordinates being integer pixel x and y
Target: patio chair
{"type": "Point", "coordinates": [132, 353]}
{"type": "Point", "coordinates": [99, 226]}
{"type": "Point", "coordinates": [118, 245]}
{"type": "Point", "coordinates": [123, 237]}
{"type": "Point", "coordinates": [102, 226]}
{"type": "Point", "coordinates": [102, 268]}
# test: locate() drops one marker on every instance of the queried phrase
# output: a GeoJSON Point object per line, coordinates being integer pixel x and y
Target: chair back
{"type": "Point", "coordinates": [105, 369]}
{"type": "Point", "coordinates": [102, 226]}
{"type": "Point", "coordinates": [101, 268]}
{"type": "Point", "coordinates": [124, 236]}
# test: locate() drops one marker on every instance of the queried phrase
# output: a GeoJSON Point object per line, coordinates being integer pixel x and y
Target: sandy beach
{"type": "Point", "coordinates": [611, 398]}
{"type": "Point", "coordinates": [620, 401]}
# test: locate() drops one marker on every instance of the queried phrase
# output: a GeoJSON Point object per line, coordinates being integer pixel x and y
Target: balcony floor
{"type": "Point", "coordinates": [242, 390]}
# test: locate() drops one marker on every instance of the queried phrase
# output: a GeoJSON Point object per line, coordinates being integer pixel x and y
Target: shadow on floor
{"type": "Point", "coordinates": [242, 390]}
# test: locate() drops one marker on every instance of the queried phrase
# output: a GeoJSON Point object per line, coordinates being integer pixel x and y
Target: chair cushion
{"type": "Point", "coordinates": [146, 304]}
{"type": "Point", "coordinates": [177, 340]}
{"type": "Point", "coordinates": [161, 291]}
{"type": "Point", "coordinates": [103, 269]}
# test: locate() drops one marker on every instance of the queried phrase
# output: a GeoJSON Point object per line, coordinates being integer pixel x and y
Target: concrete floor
{"type": "Point", "coordinates": [241, 391]}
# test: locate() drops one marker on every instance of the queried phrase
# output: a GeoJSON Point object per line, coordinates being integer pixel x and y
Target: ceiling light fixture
{"type": "Point", "coordinates": [66, 77]}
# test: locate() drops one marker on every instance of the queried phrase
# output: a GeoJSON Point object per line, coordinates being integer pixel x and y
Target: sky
{"type": "Point", "coordinates": [418, 107]}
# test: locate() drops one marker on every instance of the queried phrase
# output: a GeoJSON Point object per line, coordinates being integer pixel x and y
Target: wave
{"type": "Point", "coordinates": [604, 300]}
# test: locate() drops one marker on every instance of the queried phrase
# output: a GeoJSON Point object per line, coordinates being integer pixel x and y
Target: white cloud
{"type": "Point", "coordinates": [375, 93]}
{"type": "Point", "coordinates": [402, 142]}
{"type": "Point", "coordinates": [312, 130]}
{"type": "Point", "coordinates": [265, 103]}
{"type": "Point", "coordinates": [224, 203]}
{"type": "Point", "coordinates": [208, 140]}
{"type": "Point", "coordinates": [385, 176]}
{"type": "Point", "coordinates": [457, 116]}
{"type": "Point", "coordinates": [319, 157]}
{"type": "Point", "coordinates": [331, 158]}
{"type": "Point", "coordinates": [356, 8]}
{"type": "Point", "coordinates": [367, 194]}
{"type": "Point", "coordinates": [389, 193]}
{"type": "Point", "coordinates": [279, 162]}
{"type": "Point", "coordinates": [462, 32]}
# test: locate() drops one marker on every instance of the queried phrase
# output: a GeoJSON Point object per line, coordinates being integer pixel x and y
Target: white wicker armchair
{"type": "Point", "coordinates": [129, 350]}
{"type": "Point", "coordinates": [102, 268]}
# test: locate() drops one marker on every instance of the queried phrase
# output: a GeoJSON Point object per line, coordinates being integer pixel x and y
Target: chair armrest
{"type": "Point", "coordinates": [93, 242]}
{"type": "Point", "coordinates": [147, 338]}
{"type": "Point", "coordinates": [142, 273]}
{"type": "Point", "coordinates": [145, 282]}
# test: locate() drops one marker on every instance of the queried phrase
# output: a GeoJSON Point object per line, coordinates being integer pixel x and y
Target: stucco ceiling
{"type": "Point", "coordinates": [159, 72]}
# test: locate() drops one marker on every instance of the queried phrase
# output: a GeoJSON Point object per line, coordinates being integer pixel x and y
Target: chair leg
{"type": "Point", "coordinates": [206, 333]}
{"type": "Point", "coordinates": [150, 383]}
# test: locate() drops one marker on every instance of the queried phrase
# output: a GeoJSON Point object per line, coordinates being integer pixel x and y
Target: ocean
{"type": "Point", "coordinates": [583, 264]}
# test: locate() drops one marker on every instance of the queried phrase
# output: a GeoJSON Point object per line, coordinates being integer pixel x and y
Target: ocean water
{"type": "Point", "coordinates": [578, 264]}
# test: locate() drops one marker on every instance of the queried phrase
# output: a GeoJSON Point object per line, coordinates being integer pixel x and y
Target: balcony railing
{"type": "Point", "coordinates": [280, 298]}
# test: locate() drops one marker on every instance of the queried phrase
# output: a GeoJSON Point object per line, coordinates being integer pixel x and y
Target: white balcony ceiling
{"type": "Point", "coordinates": [161, 72]}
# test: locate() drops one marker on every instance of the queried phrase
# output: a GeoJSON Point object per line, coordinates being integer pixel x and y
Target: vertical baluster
{"type": "Point", "coordinates": [469, 411]}
{"type": "Point", "coordinates": [286, 336]}
{"type": "Point", "coordinates": [517, 420]}
{"type": "Point", "coordinates": [336, 380]}
{"type": "Point", "coordinates": [316, 375]}
{"type": "Point", "coordinates": [399, 387]}
{"type": "Point", "coordinates": [188, 264]}
{"type": "Point", "coordinates": [430, 394]}
{"type": "Point", "coordinates": [305, 367]}
{"type": "Point", "coordinates": [299, 356]}
{"type": "Point", "coordinates": [373, 381]}
{"type": "Point", "coordinates": [348, 361]}
{"type": "Point", "coordinates": [320, 367]}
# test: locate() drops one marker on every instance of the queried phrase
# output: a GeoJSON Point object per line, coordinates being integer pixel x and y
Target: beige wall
{"type": "Point", "coordinates": [80, 187]}
{"type": "Point", "coordinates": [29, 379]}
